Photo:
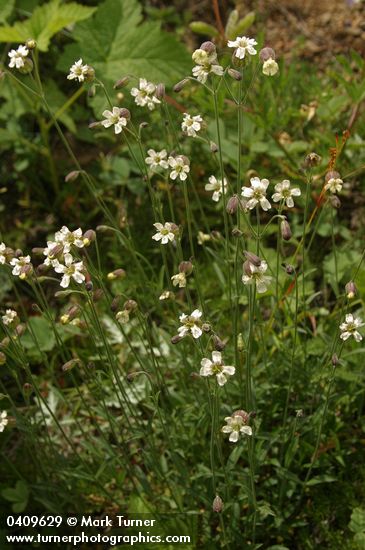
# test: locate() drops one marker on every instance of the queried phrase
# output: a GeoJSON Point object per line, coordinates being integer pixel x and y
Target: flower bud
{"type": "Point", "coordinates": [236, 232]}
{"type": "Point", "coordinates": [91, 91]}
{"type": "Point", "coordinates": [2, 358]}
{"type": "Point", "coordinates": [116, 274]}
{"type": "Point", "coordinates": [219, 345]}
{"type": "Point", "coordinates": [5, 342]}
{"type": "Point", "coordinates": [176, 339]}
{"type": "Point", "coordinates": [180, 85]}
{"type": "Point", "coordinates": [285, 230]}
{"type": "Point", "coordinates": [104, 229]}
{"type": "Point", "coordinates": [236, 75]}
{"type": "Point", "coordinates": [71, 314]}
{"type": "Point", "coordinates": [31, 44]}
{"type": "Point", "coordinates": [88, 237]}
{"type": "Point", "coordinates": [213, 147]}
{"type": "Point", "coordinates": [93, 125]}
{"type": "Point", "coordinates": [98, 294]}
{"type": "Point", "coordinates": [71, 364]}
{"type": "Point", "coordinates": [312, 160]}
{"type": "Point", "coordinates": [206, 327]}
{"type": "Point", "coordinates": [335, 360]}
{"type": "Point", "coordinates": [351, 290]}
{"type": "Point", "coordinates": [72, 176]}
{"type": "Point", "coordinates": [290, 270]}
{"type": "Point", "coordinates": [266, 54]}
{"type": "Point", "coordinates": [240, 342]}
{"type": "Point", "coordinates": [121, 83]}
{"type": "Point", "coordinates": [27, 388]}
{"type": "Point", "coordinates": [186, 267]}
{"type": "Point", "coordinates": [26, 271]}
{"type": "Point", "coordinates": [252, 259]}
{"type": "Point", "coordinates": [335, 201]}
{"type": "Point", "coordinates": [130, 305]}
{"type": "Point", "coordinates": [160, 91]}
{"type": "Point", "coordinates": [217, 504]}
{"type": "Point", "coordinates": [37, 251]}
{"type": "Point", "coordinates": [208, 47]}
{"type": "Point", "coordinates": [20, 329]}
{"type": "Point", "coordinates": [232, 205]}
{"type": "Point", "coordinates": [114, 306]}
{"type": "Point", "coordinates": [90, 75]}
{"type": "Point", "coordinates": [89, 286]}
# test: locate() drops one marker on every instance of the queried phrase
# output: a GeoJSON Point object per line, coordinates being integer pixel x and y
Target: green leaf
{"type": "Point", "coordinates": [321, 479]}
{"type": "Point", "coordinates": [45, 22]}
{"type": "Point", "coordinates": [6, 8]}
{"type": "Point", "coordinates": [200, 27]}
{"type": "Point", "coordinates": [43, 333]}
{"type": "Point", "coordinates": [357, 522]}
{"type": "Point", "coordinates": [244, 24]}
{"type": "Point", "coordinates": [116, 42]}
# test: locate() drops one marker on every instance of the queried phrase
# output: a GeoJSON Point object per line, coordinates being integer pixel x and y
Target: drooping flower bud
{"type": "Point", "coordinates": [252, 258]}
{"type": "Point", "coordinates": [213, 147]}
{"type": "Point", "coordinates": [219, 345]}
{"type": "Point", "coordinates": [186, 267]}
{"type": "Point", "coordinates": [332, 174]}
{"type": "Point", "coordinates": [351, 290]}
{"type": "Point", "coordinates": [71, 364]}
{"type": "Point", "coordinates": [89, 237]}
{"type": "Point", "coordinates": [267, 53]}
{"type": "Point", "coordinates": [236, 75]}
{"type": "Point", "coordinates": [176, 339]}
{"type": "Point", "coordinates": [285, 230]}
{"type": "Point", "coordinates": [31, 44]}
{"type": "Point", "coordinates": [121, 83]}
{"type": "Point", "coordinates": [208, 47]}
{"type": "Point", "coordinates": [240, 342]}
{"type": "Point", "coordinates": [217, 504]}
{"type": "Point", "coordinates": [180, 85]}
{"type": "Point", "coordinates": [72, 176]}
{"type": "Point", "coordinates": [160, 91]}
{"type": "Point", "coordinates": [130, 305]}
{"type": "Point", "coordinates": [232, 205]}
{"type": "Point", "coordinates": [116, 274]}
{"type": "Point", "coordinates": [312, 159]}
{"type": "Point", "coordinates": [335, 201]}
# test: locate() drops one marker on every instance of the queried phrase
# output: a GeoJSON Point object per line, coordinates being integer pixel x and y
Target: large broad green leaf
{"type": "Point", "coordinates": [116, 42]}
{"type": "Point", "coordinates": [6, 8]}
{"type": "Point", "coordinates": [45, 22]}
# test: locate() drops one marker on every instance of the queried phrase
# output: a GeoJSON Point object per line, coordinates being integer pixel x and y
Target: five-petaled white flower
{"type": "Point", "coordinates": [216, 186]}
{"type": "Point", "coordinates": [206, 63]}
{"type": "Point", "coordinates": [270, 67]}
{"type": "Point", "coordinates": [2, 253]}
{"type": "Point", "coordinates": [157, 158]}
{"type": "Point", "coordinates": [350, 328]}
{"type": "Point", "coordinates": [68, 238]}
{"type": "Point", "coordinates": [179, 279]}
{"type": "Point", "coordinates": [145, 94]}
{"type": "Point", "coordinates": [9, 317]}
{"type": "Point", "coordinates": [216, 368]}
{"type": "Point", "coordinates": [334, 185]}
{"type": "Point", "coordinates": [256, 194]}
{"type": "Point", "coordinates": [191, 124]}
{"type": "Point", "coordinates": [180, 167]}
{"type": "Point", "coordinates": [255, 274]}
{"type": "Point", "coordinates": [3, 420]}
{"type": "Point", "coordinates": [285, 193]}
{"type": "Point", "coordinates": [70, 269]}
{"type": "Point", "coordinates": [237, 426]}
{"type": "Point", "coordinates": [165, 233]}
{"type": "Point", "coordinates": [19, 265]}
{"type": "Point", "coordinates": [78, 71]}
{"type": "Point", "coordinates": [114, 118]}
{"type": "Point", "coordinates": [17, 57]}
{"type": "Point", "coordinates": [243, 45]}
{"type": "Point", "coordinates": [190, 324]}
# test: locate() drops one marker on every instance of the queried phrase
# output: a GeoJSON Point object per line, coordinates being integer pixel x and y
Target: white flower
{"type": "Point", "coordinates": [2, 255]}
{"type": "Point", "coordinates": [179, 279]}
{"type": "Point", "coordinates": [70, 269]}
{"type": "Point", "coordinates": [17, 57]}
{"type": "Point", "coordinates": [201, 72]}
{"type": "Point", "coordinates": [68, 238]}
{"type": "Point", "coordinates": [270, 67]}
{"type": "Point", "coordinates": [203, 237]}
{"type": "Point", "coordinates": [285, 193]}
{"type": "Point", "coordinates": [3, 420]}
{"type": "Point", "coordinates": [19, 264]}
{"type": "Point", "coordinates": [156, 159]}
{"type": "Point", "coordinates": [191, 124]}
{"type": "Point", "coordinates": [334, 185]}
{"type": "Point", "coordinates": [180, 167]}
{"type": "Point", "coordinates": [243, 45]}
{"type": "Point", "coordinates": [165, 233]}
{"type": "Point", "coordinates": [78, 71]}
{"type": "Point", "coordinates": [256, 194]}
{"type": "Point", "coordinates": [9, 317]}
{"type": "Point", "coordinates": [50, 250]}
{"type": "Point", "coordinates": [216, 186]}
{"type": "Point", "coordinates": [190, 324]}
{"type": "Point", "coordinates": [216, 368]}
{"type": "Point", "coordinates": [206, 63]}
{"type": "Point", "coordinates": [350, 326]}
{"type": "Point", "coordinates": [235, 427]}
{"type": "Point", "coordinates": [255, 274]}
{"type": "Point", "coordinates": [144, 95]}
{"type": "Point", "coordinates": [114, 118]}
{"type": "Point", "coordinates": [166, 295]}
